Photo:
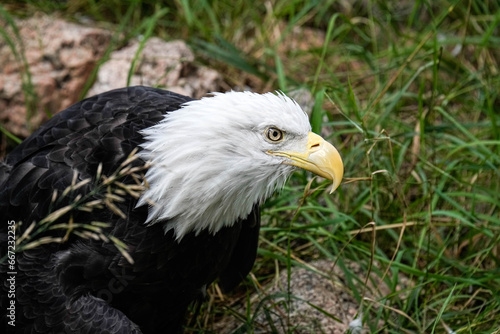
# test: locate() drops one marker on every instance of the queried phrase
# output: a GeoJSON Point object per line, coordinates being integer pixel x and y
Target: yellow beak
{"type": "Point", "coordinates": [320, 158]}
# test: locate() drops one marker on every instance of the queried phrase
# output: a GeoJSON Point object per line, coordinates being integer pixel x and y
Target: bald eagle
{"type": "Point", "coordinates": [210, 164]}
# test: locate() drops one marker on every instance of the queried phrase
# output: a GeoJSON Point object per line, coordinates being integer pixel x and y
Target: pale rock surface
{"type": "Point", "coordinates": [58, 56]}
{"type": "Point", "coordinates": [322, 288]}
{"type": "Point", "coordinates": [167, 65]}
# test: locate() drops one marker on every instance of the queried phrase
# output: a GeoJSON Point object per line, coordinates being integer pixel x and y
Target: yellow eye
{"type": "Point", "coordinates": [274, 134]}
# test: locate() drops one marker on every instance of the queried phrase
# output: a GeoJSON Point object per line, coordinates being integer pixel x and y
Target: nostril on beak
{"type": "Point", "coordinates": [314, 147]}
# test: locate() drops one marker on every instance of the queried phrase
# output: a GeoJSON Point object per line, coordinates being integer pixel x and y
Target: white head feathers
{"type": "Point", "coordinates": [209, 160]}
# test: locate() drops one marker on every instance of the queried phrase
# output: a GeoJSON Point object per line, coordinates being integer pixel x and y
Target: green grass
{"type": "Point", "coordinates": [409, 93]}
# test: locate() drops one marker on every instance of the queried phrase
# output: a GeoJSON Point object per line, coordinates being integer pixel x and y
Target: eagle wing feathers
{"type": "Point", "coordinates": [86, 284]}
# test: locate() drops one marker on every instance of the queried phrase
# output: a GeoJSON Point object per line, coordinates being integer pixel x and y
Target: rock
{"type": "Point", "coordinates": [162, 64]}
{"type": "Point", "coordinates": [309, 290]}
{"type": "Point", "coordinates": [322, 286]}
{"type": "Point", "coordinates": [59, 57]}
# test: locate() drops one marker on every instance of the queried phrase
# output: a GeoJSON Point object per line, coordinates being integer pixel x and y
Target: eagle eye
{"type": "Point", "coordinates": [274, 134]}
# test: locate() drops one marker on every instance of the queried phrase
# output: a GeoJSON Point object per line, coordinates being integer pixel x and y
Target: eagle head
{"type": "Point", "coordinates": [213, 159]}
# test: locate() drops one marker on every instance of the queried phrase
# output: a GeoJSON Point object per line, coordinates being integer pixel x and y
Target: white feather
{"type": "Point", "coordinates": [209, 160]}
